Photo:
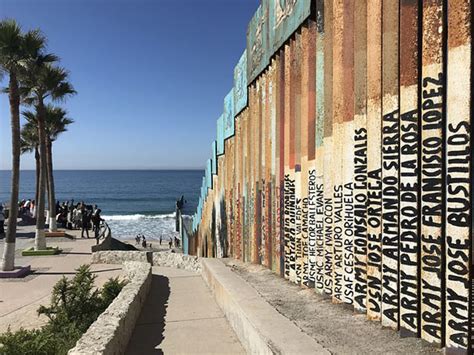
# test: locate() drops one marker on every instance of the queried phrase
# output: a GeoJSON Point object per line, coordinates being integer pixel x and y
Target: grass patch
{"type": "Point", "coordinates": [43, 252]}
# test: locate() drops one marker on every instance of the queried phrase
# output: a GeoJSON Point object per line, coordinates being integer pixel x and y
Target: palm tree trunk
{"type": "Point", "coordinates": [40, 240]}
{"type": "Point", "coordinates": [8, 260]}
{"type": "Point", "coordinates": [37, 161]}
{"type": "Point", "coordinates": [51, 195]}
{"type": "Point", "coordinates": [46, 184]}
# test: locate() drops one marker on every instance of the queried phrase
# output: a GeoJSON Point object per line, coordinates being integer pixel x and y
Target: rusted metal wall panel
{"type": "Point", "coordinates": [297, 136]}
{"type": "Point", "coordinates": [432, 191]}
{"type": "Point", "coordinates": [390, 164]}
{"type": "Point", "coordinates": [360, 156]}
{"type": "Point", "coordinates": [309, 86]}
{"type": "Point", "coordinates": [303, 94]}
{"type": "Point", "coordinates": [268, 186]}
{"type": "Point", "coordinates": [409, 226]}
{"type": "Point", "coordinates": [374, 163]}
{"type": "Point", "coordinates": [338, 103]}
{"type": "Point", "coordinates": [275, 161]}
{"type": "Point", "coordinates": [319, 149]}
{"type": "Point", "coordinates": [328, 144]}
{"type": "Point", "coordinates": [288, 203]}
{"type": "Point", "coordinates": [348, 152]}
{"type": "Point", "coordinates": [281, 160]}
{"type": "Point", "coordinates": [458, 218]}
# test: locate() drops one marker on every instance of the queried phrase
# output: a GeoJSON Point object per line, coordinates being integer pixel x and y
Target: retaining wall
{"type": "Point", "coordinates": [166, 259]}
{"type": "Point", "coordinates": [111, 332]}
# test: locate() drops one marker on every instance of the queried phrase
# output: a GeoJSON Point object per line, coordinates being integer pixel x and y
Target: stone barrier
{"type": "Point", "coordinates": [111, 332]}
{"type": "Point", "coordinates": [176, 260]}
{"type": "Point", "coordinates": [166, 259]}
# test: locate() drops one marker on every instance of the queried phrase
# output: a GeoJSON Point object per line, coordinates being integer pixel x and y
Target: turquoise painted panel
{"type": "Point", "coordinates": [229, 122]}
{"type": "Point", "coordinates": [209, 174]}
{"type": "Point", "coordinates": [258, 56]}
{"type": "Point", "coordinates": [285, 16]}
{"type": "Point", "coordinates": [240, 84]}
{"type": "Point", "coordinates": [220, 135]}
{"type": "Point", "coordinates": [214, 158]}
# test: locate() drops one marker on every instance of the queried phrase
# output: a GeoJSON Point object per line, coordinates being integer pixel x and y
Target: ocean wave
{"type": "Point", "coordinates": [136, 217]}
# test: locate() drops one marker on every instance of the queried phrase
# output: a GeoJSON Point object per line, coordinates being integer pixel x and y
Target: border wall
{"type": "Point", "coordinates": [342, 159]}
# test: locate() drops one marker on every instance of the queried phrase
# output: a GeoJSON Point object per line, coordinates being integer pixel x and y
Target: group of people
{"type": "Point", "coordinates": [140, 239]}
{"type": "Point", "coordinates": [27, 207]}
{"type": "Point", "coordinates": [79, 216]}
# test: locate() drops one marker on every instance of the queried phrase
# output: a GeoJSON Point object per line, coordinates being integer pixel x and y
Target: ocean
{"type": "Point", "coordinates": [132, 201]}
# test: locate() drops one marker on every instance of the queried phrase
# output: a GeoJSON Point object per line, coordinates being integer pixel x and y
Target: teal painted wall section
{"type": "Point", "coordinates": [209, 174]}
{"type": "Point", "coordinates": [214, 158]}
{"type": "Point", "coordinates": [229, 123]}
{"type": "Point", "coordinates": [258, 55]}
{"type": "Point", "coordinates": [285, 16]}
{"type": "Point", "coordinates": [240, 84]}
{"type": "Point", "coordinates": [220, 135]}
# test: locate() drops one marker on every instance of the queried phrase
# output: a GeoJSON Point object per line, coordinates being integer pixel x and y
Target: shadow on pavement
{"type": "Point", "coordinates": [148, 333]}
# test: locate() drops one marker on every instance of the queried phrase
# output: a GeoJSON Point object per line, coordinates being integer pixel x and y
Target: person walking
{"type": "Point", "coordinates": [96, 219]}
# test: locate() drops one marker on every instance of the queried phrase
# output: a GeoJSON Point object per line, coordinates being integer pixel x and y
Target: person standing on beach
{"type": "Point", "coordinates": [86, 219]}
{"type": "Point", "coordinates": [161, 238]}
{"type": "Point", "coordinates": [96, 219]}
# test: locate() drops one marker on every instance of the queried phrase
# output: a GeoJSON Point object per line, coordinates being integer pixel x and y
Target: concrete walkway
{"type": "Point", "coordinates": [180, 316]}
{"type": "Point", "coordinates": [20, 298]}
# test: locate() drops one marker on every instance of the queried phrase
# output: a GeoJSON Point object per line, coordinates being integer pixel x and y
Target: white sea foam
{"type": "Point", "coordinates": [136, 217]}
{"type": "Point", "coordinates": [152, 226]}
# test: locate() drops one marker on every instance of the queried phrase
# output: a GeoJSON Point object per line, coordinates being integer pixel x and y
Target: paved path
{"type": "Point", "coordinates": [180, 316]}
{"type": "Point", "coordinates": [20, 298]}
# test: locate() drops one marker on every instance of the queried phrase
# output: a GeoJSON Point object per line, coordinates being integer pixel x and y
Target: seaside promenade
{"type": "Point", "coordinates": [180, 314]}
{"type": "Point", "coordinates": [20, 298]}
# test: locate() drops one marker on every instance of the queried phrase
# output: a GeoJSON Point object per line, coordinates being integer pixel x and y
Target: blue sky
{"type": "Point", "coordinates": [151, 77]}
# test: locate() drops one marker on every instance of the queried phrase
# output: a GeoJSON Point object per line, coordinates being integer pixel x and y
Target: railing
{"type": "Point", "coordinates": [104, 230]}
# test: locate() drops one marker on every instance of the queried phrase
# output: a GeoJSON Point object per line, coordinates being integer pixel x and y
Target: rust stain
{"type": "Point", "coordinates": [328, 75]}
{"type": "Point", "coordinates": [390, 47]}
{"type": "Point", "coordinates": [311, 90]}
{"type": "Point", "coordinates": [459, 19]}
{"type": "Point", "coordinates": [432, 31]}
{"type": "Point", "coordinates": [348, 60]}
{"type": "Point", "coordinates": [408, 42]}
{"type": "Point", "coordinates": [374, 49]}
{"type": "Point", "coordinates": [360, 57]}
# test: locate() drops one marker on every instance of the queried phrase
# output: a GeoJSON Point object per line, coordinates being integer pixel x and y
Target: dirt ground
{"type": "Point", "coordinates": [336, 327]}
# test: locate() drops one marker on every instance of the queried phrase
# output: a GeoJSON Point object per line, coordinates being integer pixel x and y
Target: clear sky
{"type": "Point", "coordinates": [151, 76]}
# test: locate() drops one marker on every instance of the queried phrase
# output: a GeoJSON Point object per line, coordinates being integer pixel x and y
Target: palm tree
{"type": "Point", "coordinates": [44, 81]}
{"type": "Point", "coordinates": [28, 144]}
{"type": "Point", "coordinates": [56, 122]}
{"type": "Point", "coordinates": [16, 50]}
